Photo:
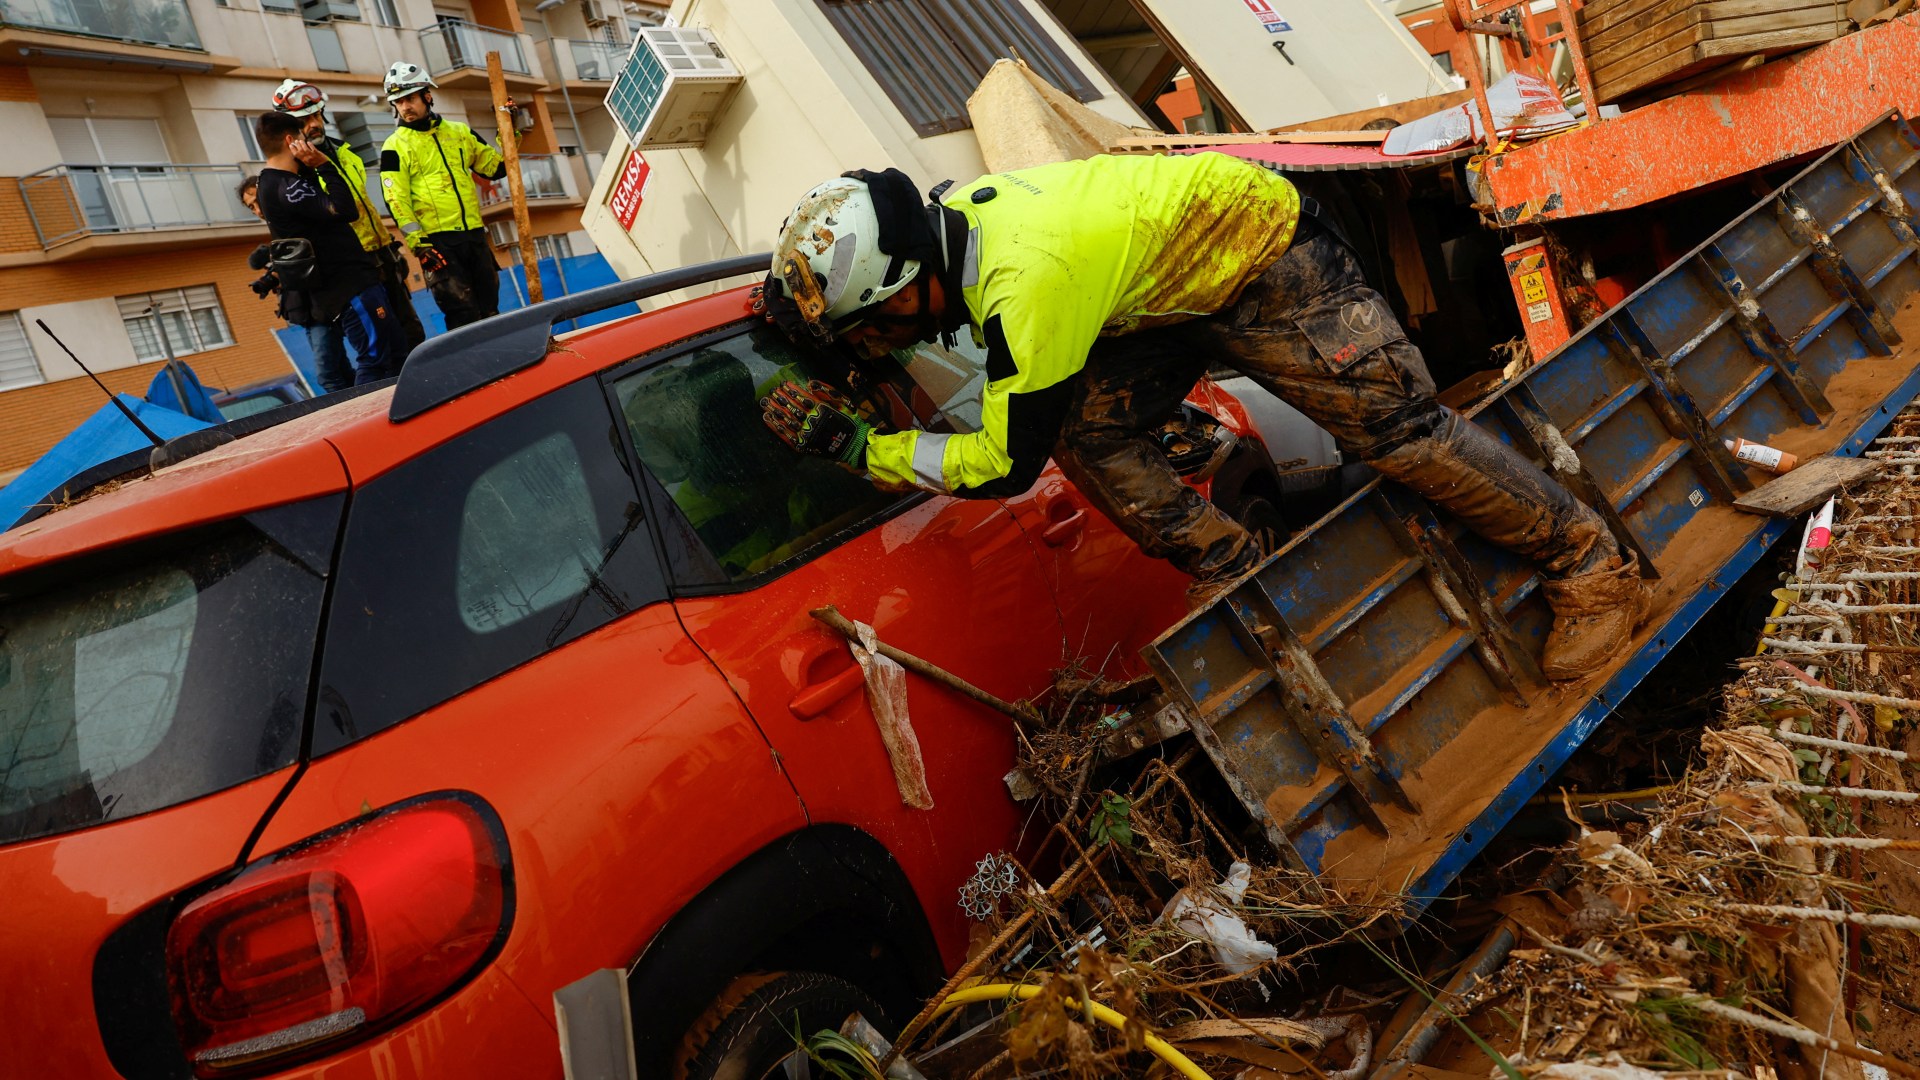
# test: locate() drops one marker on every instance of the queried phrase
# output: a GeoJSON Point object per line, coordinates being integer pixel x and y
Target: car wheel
{"type": "Point", "coordinates": [748, 1032]}
{"type": "Point", "coordinates": [1263, 520]}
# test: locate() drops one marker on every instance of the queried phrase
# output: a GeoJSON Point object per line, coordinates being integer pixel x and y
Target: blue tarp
{"type": "Point", "coordinates": [199, 404]}
{"type": "Point", "coordinates": [102, 437]}
{"type": "Point", "coordinates": [572, 274]}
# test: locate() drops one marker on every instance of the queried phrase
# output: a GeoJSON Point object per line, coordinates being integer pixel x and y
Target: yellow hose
{"type": "Point", "coordinates": [1161, 1048]}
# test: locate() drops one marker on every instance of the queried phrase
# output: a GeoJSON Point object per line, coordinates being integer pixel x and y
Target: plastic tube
{"type": "Point", "coordinates": [1160, 1047]}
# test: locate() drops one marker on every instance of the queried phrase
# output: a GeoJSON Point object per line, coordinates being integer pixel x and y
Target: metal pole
{"type": "Point", "coordinates": [516, 186]}
{"type": "Point", "coordinates": [166, 346]}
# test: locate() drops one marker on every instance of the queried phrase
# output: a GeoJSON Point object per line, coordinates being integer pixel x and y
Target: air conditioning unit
{"type": "Point", "coordinates": [674, 88]}
{"type": "Point", "coordinates": [594, 13]}
{"type": "Point", "coordinates": [324, 10]}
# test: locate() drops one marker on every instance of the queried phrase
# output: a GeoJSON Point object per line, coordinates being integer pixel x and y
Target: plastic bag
{"type": "Point", "coordinates": [1200, 912]}
{"type": "Point", "coordinates": [887, 698]}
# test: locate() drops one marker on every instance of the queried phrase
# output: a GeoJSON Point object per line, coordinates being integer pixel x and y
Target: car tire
{"type": "Point", "coordinates": [1261, 518]}
{"type": "Point", "coordinates": [747, 1034]}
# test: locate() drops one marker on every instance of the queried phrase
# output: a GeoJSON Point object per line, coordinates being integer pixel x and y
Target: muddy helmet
{"type": "Point", "coordinates": [828, 259]}
{"type": "Point", "coordinates": [405, 78]}
{"type": "Point", "coordinates": [296, 98]}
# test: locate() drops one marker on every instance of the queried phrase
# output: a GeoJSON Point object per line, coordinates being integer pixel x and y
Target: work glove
{"type": "Point", "coordinates": [431, 261]}
{"type": "Point", "coordinates": [814, 418]}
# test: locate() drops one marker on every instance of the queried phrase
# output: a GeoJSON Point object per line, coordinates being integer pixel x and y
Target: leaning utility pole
{"type": "Point", "coordinates": [510, 149]}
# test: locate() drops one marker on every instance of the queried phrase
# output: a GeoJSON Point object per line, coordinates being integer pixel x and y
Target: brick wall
{"type": "Point", "coordinates": [16, 228]}
{"type": "Point", "coordinates": [33, 418]}
{"type": "Point", "coordinates": [16, 84]}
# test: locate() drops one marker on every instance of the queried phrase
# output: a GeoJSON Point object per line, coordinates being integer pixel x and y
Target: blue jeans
{"type": "Point", "coordinates": [372, 328]}
{"type": "Point", "coordinates": [329, 347]}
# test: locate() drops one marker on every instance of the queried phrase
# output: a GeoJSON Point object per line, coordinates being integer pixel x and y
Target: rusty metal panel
{"type": "Point", "coordinates": [1372, 693]}
{"type": "Point", "coordinates": [1788, 107]}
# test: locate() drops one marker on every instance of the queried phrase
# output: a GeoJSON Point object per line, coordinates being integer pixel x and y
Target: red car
{"type": "Point", "coordinates": [337, 748]}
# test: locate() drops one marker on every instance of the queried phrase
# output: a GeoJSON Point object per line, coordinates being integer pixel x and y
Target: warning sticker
{"type": "Point", "coordinates": [1533, 286]}
{"type": "Point", "coordinates": [1268, 17]}
{"type": "Point", "coordinates": [1539, 312]}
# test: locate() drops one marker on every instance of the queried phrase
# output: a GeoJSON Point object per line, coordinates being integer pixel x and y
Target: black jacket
{"type": "Point", "coordinates": [296, 205]}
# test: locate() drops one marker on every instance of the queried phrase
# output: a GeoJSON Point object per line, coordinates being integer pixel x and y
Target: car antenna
{"type": "Point", "coordinates": [111, 396]}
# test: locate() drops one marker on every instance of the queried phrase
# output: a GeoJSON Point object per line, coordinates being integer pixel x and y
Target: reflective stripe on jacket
{"type": "Point", "coordinates": [370, 227]}
{"type": "Point", "coordinates": [428, 178]}
{"type": "Point", "coordinates": [1062, 254]}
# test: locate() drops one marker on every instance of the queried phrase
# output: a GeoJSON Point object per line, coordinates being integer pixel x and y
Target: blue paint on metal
{"type": "Point", "coordinates": [1645, 397]}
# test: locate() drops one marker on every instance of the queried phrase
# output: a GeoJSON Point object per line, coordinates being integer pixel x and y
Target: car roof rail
{"type": "Point", "coordinates": [470, 357]}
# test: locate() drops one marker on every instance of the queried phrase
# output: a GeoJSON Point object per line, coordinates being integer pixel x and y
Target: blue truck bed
{"type": "Point", "coordinates": [1372, 693]}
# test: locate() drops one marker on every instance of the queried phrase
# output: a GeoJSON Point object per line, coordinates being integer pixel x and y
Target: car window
{"type": "Point", "coordinates": [146, 677]}
{"type": "Point", "coordinates": [479, 556]}
{"type": "Point", "coordinates": [529, 537]}
{"type": "Point", "coordinates": [751, 502]}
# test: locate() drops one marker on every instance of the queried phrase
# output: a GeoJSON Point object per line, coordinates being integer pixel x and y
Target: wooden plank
{"type": "Point", "coordinates": [1621, 80]}
{"type": "Point", "coordinates": [1597, 39]}
{"type": "Point", "coordinates": [1399, 113]}
{"type": "Point", "coordinates": [1805, 487]}
{"type": "Point", "coordinates": [1701, 24]}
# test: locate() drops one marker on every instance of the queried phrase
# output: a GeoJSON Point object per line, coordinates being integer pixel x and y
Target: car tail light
{"type": "Point", "coordinates": [341, 935]}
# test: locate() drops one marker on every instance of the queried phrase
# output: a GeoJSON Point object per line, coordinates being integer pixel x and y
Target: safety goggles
{"type": "Point", "coordinates": [304, 96]}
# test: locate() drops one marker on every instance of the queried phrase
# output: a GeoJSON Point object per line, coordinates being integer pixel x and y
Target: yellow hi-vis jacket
{"type": "Point", "coordinates": [1060, 255]}
{"type": "Point", "coordinates": [370, 227]}
{"type": "Point", "coordinates": [428, 178]}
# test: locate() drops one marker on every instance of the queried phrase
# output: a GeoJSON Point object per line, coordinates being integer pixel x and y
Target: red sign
{"type": "Point", "coordinates": [628, 190]}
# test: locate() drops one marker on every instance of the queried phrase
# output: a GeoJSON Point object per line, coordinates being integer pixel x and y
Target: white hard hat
{"type": "Point", "coordinates": [297, 98]}
{"type": "Point", "coordinates": [405, 78]}
{"type": "Point", "coordinates": [835, 234]}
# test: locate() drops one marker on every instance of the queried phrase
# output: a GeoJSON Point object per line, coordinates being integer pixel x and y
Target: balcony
{"type": "Point", "coordinates": [548, 177]}
{"type": "Point", "coordinates": [457, 55]}
{"type": "Point", "coordinates": [593, 62]}
{"type": "Point", "coordinates": [142, 205]}
{"type": "Point", "coordinates": [154, 34]}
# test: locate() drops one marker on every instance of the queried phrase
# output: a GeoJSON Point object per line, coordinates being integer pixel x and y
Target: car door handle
{"type": "Point", "coordinates": [1066, 530]}
{"type": "Point", "coordinates": [817, 698]}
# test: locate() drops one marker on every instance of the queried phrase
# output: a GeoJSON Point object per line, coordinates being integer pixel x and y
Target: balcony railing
{"type": "Point", "coordinates": [140, 22]}
{"type": "Point", "coordinates": [543, 174]}
{"type": "Point", "coordinates": [66, 202]}
{"type": "Point", "coordinates": [595, 61]}
{"type": "Point", "coordinates": [451, 44]}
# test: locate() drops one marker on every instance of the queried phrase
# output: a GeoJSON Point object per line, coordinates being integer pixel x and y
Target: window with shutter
{"type": "Point", "coordinates": [929, 55]}
{"type": "Point", "coordinates": [175, 321]}
{"type": "Point", "coordinates": [18, 367]}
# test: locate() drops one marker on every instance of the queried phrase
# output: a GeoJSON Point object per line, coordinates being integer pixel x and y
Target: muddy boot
{"type": "Point", "coordinates": [1206, 589]}
{"type": "Point", "coordinates": [1594, 616]}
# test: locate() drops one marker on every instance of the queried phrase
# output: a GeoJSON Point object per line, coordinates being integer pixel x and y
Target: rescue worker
{"type": "Point", "coordinates": [302, 195]}
{"type": "Point", "coordinates": [309, 103]}
{"type": "Point", "coordinates": [1101, 289]}
{"type": "Point", "coordinates": [427, 168]}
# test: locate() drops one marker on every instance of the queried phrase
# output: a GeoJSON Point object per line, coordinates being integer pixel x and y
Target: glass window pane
{"type": "Point", "coordinates": [133, 685]}
{"type": "Point", "coordinates": [528, 536]}
{"type": "Point", "coordinates": [479, 556]}
{"type": "Point", "coordinates": [753, 502]}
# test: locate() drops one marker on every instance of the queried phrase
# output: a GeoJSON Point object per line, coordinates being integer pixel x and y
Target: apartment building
{"type": "Point", "coordinates": [127, 127]}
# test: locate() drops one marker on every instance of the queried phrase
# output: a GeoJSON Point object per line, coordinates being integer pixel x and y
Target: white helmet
{"type": "Point", "coordinates": [404, 79]}
{"type": "Point", "coordinates": [297, 98]}
{"type": "Point", "coordinates": [828, 258]}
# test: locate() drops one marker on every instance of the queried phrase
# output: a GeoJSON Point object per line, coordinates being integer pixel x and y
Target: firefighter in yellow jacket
{"type": "Point", "coordinates": [1101, 290]}
{"type": "Point", "coordinates": [427, 168]}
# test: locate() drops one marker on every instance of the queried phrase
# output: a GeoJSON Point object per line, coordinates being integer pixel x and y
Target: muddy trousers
{"type": "Point", "coordinates": [1313, 333]}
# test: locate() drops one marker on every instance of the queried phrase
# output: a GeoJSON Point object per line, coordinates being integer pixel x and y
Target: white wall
{"type": "Point", "coordinates": [1345, 55]}
{"type": "Point", "coordinates": [807, 110]}
{"type": "Point", "coordinates": [29, 140]}
{"type": "Point", "coordinates": [91, 328]}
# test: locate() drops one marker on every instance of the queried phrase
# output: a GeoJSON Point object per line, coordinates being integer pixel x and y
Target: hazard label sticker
{"type": "Point", "coordinates": [1533, 287]}
{"type": "Point", "coordinates": [1539, 312]}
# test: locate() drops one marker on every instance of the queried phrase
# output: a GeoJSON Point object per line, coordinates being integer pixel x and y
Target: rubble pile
{"type": "Point", "coordinates": [1760, 922]}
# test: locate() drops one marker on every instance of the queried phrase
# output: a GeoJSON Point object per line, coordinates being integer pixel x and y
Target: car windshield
{"type": "Point", "coordinates": [132, 686]}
